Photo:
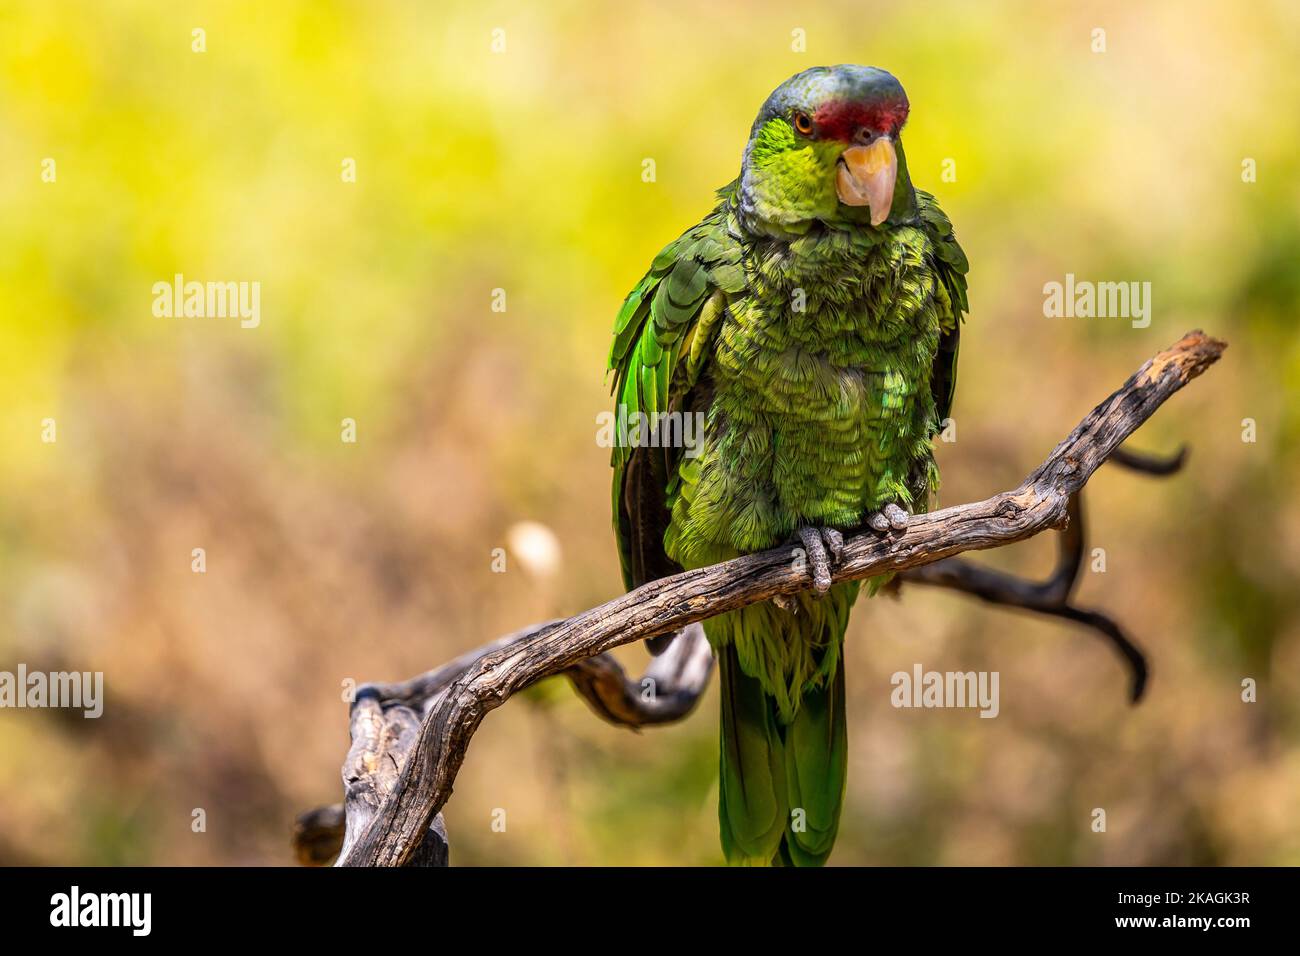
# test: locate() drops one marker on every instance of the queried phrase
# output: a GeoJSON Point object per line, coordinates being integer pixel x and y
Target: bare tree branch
{"type": "Point", "coordinates": [384, 713]}
{"type": "Point", "coordinates": [381, 744]}
{"type": "Point", "coordinates": [675, 681]}
{"type": "Point", "coordinates": [392, 834]}
{"type": "Point", "coordinates": [1050, 597]}
{"type": "Point", "coordinates": [1149, 464]}
{"type": "Point", "coordinates": [670, 689]}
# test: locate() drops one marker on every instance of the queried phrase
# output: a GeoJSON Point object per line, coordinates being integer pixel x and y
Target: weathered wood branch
{"type": "Point", "coordinates": [672, 686]}
{"type": "Point", "coordinates": [382, 740]}
{"type": "Point", "coordinates": [667, 692]}
{"type": "Point", "coordinates": [1052, 596]}
{"type": "Point", "coordinates": [383, 716]}
{"type": "Point", "coordinates": [675, 681]}
{"type": "Point", "coordinates": [392, 835]}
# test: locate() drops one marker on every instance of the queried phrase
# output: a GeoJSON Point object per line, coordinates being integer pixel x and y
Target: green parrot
{"type": "Point", "coordinates": [810, 324]}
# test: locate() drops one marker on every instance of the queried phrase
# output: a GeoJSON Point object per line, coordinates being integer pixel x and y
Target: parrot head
{"type": "Point", "coordinates": [825, 148]}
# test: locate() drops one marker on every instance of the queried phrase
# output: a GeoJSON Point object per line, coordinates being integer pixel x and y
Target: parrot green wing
{"type": "Point", "coordinates": [951, 266]}
{"type": "Point", "coordinates": [662, 342]}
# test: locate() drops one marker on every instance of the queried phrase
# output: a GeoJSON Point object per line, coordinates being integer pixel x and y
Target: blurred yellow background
{"type": "Point", "coordinates": [521, 169]}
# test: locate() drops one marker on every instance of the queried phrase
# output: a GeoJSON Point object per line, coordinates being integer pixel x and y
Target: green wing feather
{"type": "Point", "coordinates": [951, 266]}
{"type": "Point", "coordinates": [661, 345]}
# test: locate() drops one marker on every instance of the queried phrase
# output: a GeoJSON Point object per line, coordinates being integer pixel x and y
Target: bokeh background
{"type": "Point", "coordinates": [522, 170]}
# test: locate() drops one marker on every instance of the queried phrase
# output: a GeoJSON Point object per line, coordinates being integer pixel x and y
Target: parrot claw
{"type": "Point", "coordinates": [889, 518]}
{"type": "Point", "coordinates": [824, 548]}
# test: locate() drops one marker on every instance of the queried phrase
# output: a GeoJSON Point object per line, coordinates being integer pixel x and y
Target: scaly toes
{"type": "Point", "coordinates": [834, 542]}
{"type": "Point", "coordinates": [897, 517]}
{"type": "Point", "coordinates": [818, 560]}
{"type": "Point", "coordinates": [889, 518]}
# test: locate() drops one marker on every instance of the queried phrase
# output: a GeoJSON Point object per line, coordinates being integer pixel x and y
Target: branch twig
{"type": "Point", "coordinates": [394, 831]}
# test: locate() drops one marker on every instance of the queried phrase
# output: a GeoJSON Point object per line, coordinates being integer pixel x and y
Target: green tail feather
{"type": "Point", "coordinates": [782, 786]}
{"type": "Point", "coordinates": [816, 763]}
{"type": "Point", "coordinates": [752, 799]}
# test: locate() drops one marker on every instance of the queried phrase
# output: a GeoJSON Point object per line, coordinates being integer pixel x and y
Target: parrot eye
{"type": "Point", "coordinates": [803, 123]}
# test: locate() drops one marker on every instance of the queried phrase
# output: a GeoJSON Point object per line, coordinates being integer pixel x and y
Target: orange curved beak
{"type": "Point", "coordinates": [866, 176]}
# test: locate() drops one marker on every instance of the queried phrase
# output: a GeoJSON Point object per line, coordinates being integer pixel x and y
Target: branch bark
{"type": "Point", "coordinates": [393, 832]}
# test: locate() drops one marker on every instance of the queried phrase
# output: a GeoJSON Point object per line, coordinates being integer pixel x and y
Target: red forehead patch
{"type": "Point", "coordinates": [841, 120]}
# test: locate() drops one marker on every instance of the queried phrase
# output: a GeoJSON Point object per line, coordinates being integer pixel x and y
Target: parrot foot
{"type": "Point", "coordinates": [824, 548]}
{"type": "Point", "coordinates": [889, 518]}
